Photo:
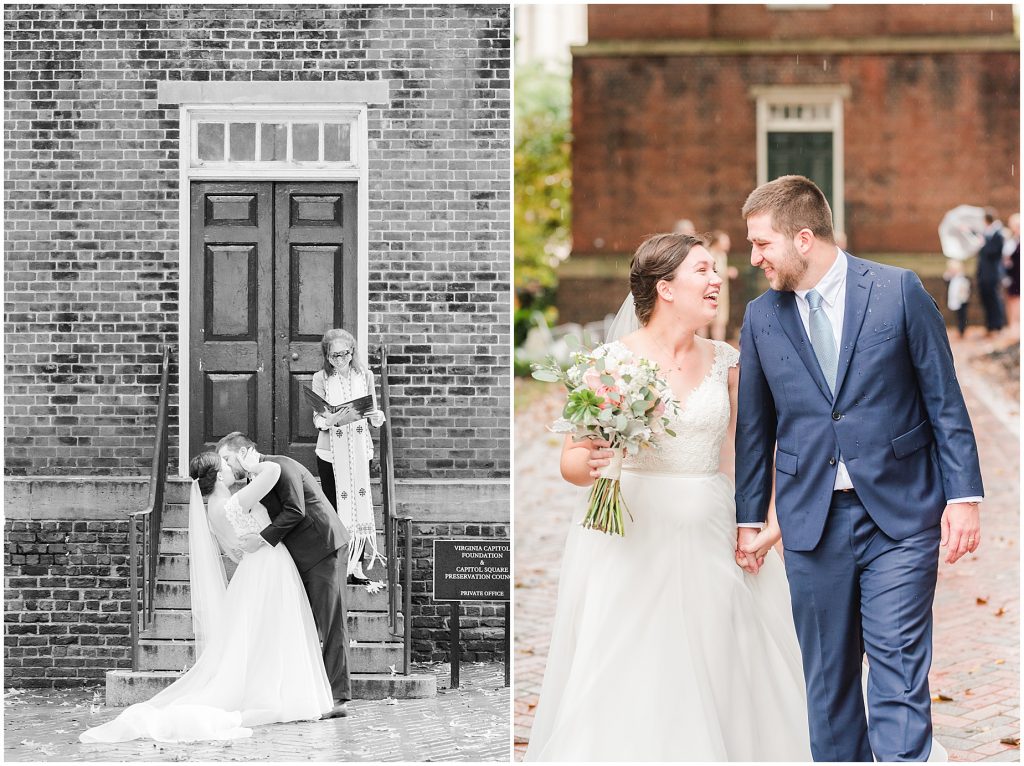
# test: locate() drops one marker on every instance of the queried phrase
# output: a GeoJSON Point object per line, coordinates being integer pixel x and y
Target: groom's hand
{"type": "Point", "coordinates": [961, 530]}
{"type": "Point", "coordinates": [745, 537]}
{"type": "Point", "coordinates": [250, 543]}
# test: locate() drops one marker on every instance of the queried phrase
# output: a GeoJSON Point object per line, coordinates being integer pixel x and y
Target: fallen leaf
{"type": "Point", "coordinates": [390, 701]}
{"type": "Point", "coordinates": [941, 698]}
{"type": "Point", "coordinates": [392, 669]}
{"type": "Point", "coordinates": [980, 601]}
{"type": "Point", "coordinates": [1001, 612]}
{"type": "Point", "coordinates": [999, 662]}
{"type": "Point", "coordinates": [1012, 741]}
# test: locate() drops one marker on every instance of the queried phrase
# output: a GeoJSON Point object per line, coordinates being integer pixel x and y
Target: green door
{"type": "Point", "coordinates": [804, 154]}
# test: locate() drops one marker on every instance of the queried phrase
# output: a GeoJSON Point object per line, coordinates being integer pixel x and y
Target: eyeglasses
{"type": "Point", "coordinates": [339, 355]}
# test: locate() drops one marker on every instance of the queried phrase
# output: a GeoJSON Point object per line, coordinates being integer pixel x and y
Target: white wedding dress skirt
{"type": "Point", "coordinates": [663, 649]}
{"type": "Point", "coordinates": [265, 667]}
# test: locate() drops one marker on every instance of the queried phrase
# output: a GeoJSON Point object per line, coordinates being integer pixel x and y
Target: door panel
{"type": "Point", "coordinates": [231, 296]}
{"type": "Point", "coordinates": [315, 290]}
{"type": "Point", "coordinates": [807, 154]}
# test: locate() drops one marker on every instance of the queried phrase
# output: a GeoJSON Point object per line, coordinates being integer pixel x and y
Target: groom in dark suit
{"type": "Point", "coordinates": [303, 519]}
{"type": "Point", "coordinates": [847, 387]}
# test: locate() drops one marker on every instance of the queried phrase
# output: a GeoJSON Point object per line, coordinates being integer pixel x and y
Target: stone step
{"type": "Point", "coordinates": [362, 626]}
{"type": "Point", "coordinates": [125, 687]}
{"type": "Point", "coordinates": [175, 595]}
{"type": "Point", "coordinates": [364, 656]}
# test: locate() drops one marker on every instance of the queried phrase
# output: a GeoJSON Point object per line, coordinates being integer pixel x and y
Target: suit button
{"type": "Point", "coordinates": [836, 416]}
{"type": "Point", "coordinates": [831, 461]}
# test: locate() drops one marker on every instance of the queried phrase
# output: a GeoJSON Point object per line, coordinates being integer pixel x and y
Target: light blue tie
{"type": "Point", "coordinates": [822, 340]}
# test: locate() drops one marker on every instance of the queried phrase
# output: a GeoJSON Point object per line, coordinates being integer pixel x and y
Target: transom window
{"type": "Point", "coordinates": [240, 140]}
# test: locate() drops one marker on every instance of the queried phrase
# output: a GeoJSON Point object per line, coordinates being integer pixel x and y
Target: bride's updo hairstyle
{"type": "Point", "coordinates": [656, 259]}
{"type": "Point", "coordinates": [205, 466]}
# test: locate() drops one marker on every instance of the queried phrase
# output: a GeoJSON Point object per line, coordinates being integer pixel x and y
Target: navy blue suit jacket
{"type": "Point", "coordinates": [898, 419]}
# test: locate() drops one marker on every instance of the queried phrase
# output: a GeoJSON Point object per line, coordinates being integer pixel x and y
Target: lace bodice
{"type": "Point", "coordinates": [242, 521]}
{"type": "Point", "coordinates": [700, 426]}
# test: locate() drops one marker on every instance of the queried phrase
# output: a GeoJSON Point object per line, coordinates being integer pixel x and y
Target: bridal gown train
{"type": "Point", "coordinates": [663, 649]}
{"type": "Point", "coordinates": [265, 666]}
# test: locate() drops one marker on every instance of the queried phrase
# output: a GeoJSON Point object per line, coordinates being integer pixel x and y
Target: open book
{"type": "Point", "coordinates": [361, 404]}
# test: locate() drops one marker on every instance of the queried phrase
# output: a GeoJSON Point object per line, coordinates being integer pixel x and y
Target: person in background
{"type": "Point", "coordinates": [344, 448]}
{"type": "Point", "coordinates": [1011, 265]}
{"type": "Point", "coordinates": [959, 293]}
{"type": "Point", "coordinates": [719, 247]}
{"type": "Point", "coordinates": [990, 273]}
{"type": "Point", "coordinates": [685, 226]}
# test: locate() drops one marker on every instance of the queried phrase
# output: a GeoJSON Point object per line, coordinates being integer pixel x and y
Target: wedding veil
{"type": "Point", "coordinates": [625, 321]}
{"type": "Point", "coordinates": [207, 581]}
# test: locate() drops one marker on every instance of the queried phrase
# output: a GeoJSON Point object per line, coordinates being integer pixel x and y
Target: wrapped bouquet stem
{"type": "Point", "coordinates": [618, 398]}
{"type": "Point", "coordinates": [605, 507]}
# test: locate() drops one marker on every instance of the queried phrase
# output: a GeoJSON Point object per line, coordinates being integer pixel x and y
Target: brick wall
{"type": "Point", "coordinates": [66, 606]}
{"type": "Point", "coordinates": [91, 214]}
{"type": "Point", "coordinates": [481, 623]}
{"type": "Point", "coordinates": [661, 138]}
{"type": "Point", "coordinates": [744, 21]}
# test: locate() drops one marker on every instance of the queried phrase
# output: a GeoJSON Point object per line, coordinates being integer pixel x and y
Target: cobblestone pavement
{"type": "Point", "coordinates": [467, 724]}
{"type": "Point", "coordinates": [975, 672]}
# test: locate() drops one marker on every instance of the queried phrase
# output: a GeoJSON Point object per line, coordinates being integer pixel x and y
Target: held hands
{"type": "Point", "coordinates": [250, 543]}
{"type": "Point", "coordinates": [961, 530]}
{"type": "Point", "coordinates": [751, 547]}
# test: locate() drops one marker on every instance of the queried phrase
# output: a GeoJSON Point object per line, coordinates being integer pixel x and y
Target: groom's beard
{"type": "Point", "coordinates": [789, 272]}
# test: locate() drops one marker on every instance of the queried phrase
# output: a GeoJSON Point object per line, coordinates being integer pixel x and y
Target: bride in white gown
{"type": "Point", "coordinates": [663, 649]}
{"type": "Point", "coordinates": [259, 658]}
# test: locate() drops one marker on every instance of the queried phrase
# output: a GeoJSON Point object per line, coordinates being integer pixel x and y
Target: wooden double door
{"type": "Point", "coordinates": [273, 266]}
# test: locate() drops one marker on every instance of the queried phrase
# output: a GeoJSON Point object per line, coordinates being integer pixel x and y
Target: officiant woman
{"type": "Point", "coordinates": [344, 447]}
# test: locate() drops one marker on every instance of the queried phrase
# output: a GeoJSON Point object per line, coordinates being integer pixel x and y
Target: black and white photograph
{"type": "Point", "coordinates": [767, 398]}
{"type": "Point", "coordinates": [257, 356]}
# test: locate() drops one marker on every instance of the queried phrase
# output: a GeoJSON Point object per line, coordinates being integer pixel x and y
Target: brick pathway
{"type": "Point", "coordinates": [976, 660]}
{"type": "Point", "coordinates": [468, 724]}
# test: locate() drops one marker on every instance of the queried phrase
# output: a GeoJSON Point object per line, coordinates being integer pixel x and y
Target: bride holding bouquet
{"type": "Point", "coordinates": [664, 649]}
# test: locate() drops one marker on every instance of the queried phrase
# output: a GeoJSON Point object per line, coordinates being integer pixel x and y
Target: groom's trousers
{"type": "Point", "coordinates": [325, 585]}
{"type": "Point", "coordinates": [861, 591]}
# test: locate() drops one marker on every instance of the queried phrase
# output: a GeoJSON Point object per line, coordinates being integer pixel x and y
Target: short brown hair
{"type": "Point", "coordinates": [235, 441]}
{"type": "Point", "coordinates": [656, 259]}
{"type": "Point", "coordinates": [794, 203]}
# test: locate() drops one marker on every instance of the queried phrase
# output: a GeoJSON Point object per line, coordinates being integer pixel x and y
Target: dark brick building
{"type": "Point", "coordinates": [231, 180]}
{"type": "Point", "coordinates": [899, 112]}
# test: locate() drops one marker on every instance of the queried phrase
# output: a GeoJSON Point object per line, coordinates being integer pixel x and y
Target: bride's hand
{"type": "Point", "coordinates": [764, 541]}
{"type": "Point", "coordinates": [600, 455]}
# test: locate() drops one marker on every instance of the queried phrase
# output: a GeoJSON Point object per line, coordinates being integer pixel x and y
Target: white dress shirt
{"type": "Point", "coordinates": [832, 288]}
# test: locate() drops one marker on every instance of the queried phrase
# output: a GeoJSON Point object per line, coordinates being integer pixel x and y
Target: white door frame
{"type": "Point", "coordinates": [821, 109]}
{"type": "Point", "coordinates": [357, 171]}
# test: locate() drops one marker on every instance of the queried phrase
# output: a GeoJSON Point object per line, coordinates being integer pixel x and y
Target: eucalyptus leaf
{"type": "Point", "coordinates": [546, 375]}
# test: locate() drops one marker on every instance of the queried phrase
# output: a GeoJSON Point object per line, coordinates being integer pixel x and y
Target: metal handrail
{"type": "Point", "coordinates": [143, 598]}
{"type": "Point", "coordinates": [391, 520]}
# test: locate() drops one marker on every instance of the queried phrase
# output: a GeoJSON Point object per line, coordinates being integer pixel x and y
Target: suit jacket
{"type": "Point", "coordinates": [898, 418]}
{"type": "Point", "coordinates": [302, 516]}
{"type": "Point", "coordinates": [990, 258]}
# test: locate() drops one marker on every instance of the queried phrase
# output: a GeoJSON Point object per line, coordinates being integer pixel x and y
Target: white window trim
{"type": "Point", "coordinates": [768, 95]}
{"type": "Point", "coordinates": [355, 171]}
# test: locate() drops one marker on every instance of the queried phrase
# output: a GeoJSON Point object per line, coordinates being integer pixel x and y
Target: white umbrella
{"type": "Point", "coordinates": [960, 232]}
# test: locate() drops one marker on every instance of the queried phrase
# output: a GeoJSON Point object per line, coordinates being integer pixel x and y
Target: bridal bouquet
{"type": "Point", "coordinates": [617, 397]}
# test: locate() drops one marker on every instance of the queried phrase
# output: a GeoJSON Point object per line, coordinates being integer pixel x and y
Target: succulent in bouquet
{"type": "Point", "coordinates": [615, 396]}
